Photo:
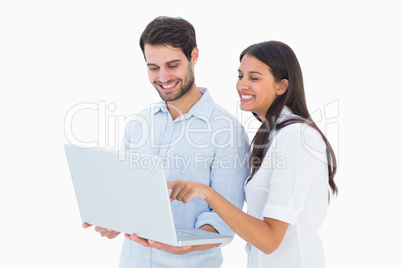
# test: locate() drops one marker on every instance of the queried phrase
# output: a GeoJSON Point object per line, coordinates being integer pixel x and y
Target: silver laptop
{"type": "Point", "coordinates": [114, 193]}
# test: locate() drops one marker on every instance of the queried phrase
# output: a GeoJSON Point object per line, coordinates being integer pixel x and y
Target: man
{"type": "Point", "coordinates": [197, 139]}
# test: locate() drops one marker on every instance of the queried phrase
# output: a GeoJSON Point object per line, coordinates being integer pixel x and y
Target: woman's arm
{"type": "Point", "coordinates": [266, 235]}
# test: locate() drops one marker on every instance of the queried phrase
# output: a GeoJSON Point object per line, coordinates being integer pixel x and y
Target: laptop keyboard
{"type": "Point", "coordinates": [184, 234]}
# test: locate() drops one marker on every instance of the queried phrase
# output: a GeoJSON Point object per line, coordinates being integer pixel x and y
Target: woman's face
{"type": "Point", "coordinates": [256, 86]}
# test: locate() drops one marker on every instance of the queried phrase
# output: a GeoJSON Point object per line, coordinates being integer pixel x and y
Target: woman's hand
{"type": "Point", "coordinates": [186, 190]}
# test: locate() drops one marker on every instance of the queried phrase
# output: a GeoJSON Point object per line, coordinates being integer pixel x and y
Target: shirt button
{"type": "Point", "coordinates": [146, 257]}
{"type": "Point", "coordinates": [171, 124]}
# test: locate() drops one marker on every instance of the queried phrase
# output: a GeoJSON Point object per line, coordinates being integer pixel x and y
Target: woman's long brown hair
{"type": "Point", "coordinates": [283, 64]}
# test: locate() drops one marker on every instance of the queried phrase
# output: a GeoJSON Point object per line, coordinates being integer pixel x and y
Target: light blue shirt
{"type": "Point", "coordinates": [206, 145]}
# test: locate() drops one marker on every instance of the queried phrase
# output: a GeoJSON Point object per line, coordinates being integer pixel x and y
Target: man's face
{"type": "Point", "coordinates": [169, 71]}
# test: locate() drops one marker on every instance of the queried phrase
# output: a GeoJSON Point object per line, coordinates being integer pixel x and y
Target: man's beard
{"type": "Point", "coordinates": [189, 79]}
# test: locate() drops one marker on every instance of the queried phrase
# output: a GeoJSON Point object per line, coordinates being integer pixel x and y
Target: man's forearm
{"type": "Point", "coordinates": [207, 228]}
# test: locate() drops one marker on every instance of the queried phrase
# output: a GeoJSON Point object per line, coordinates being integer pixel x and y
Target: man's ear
{"type": "Point", "coordinates": [282, 87]}
{"type": "Point", "coordinates": [194, 55]}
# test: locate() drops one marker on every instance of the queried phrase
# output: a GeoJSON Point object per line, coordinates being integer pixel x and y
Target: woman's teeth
{"type": "Point", "coordinates": [247, 97]}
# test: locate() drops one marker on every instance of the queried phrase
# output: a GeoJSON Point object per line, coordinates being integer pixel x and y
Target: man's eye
{"type": "Point", "coordinates": [173, 66]}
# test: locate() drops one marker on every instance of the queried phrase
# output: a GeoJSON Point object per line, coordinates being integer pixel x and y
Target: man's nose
{"type": "Point", "coordinates": [164, 75]}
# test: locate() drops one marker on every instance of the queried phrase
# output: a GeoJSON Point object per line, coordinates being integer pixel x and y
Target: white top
{"type": "Point", "coordinates": [291, 186]}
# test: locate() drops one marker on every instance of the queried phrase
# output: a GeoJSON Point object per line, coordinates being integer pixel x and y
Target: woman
{"type": "Point", "coordinates": [292, 165]}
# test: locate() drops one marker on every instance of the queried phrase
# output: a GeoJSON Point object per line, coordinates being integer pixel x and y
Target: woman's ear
{"type": "Point", "coordinates": [282, 87]}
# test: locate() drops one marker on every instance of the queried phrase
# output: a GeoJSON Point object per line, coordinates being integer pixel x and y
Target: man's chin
{"type": "Point", "coordinates": [170, 96]}
{"type": "Point", "coordinates": [174, 94]}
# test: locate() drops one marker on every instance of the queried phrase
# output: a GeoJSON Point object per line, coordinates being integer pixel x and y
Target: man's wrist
{"type": "Point", "coordinates": [209, 228]}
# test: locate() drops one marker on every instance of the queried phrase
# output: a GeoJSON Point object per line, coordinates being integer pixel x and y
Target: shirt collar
{"type": "Point", "coordinates": [202, 108]}
{"type": "Point", "coordinates": [285, 114]}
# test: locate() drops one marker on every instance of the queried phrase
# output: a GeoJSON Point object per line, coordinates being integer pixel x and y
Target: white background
{"type": "Point", "coordinates": [57, 54]}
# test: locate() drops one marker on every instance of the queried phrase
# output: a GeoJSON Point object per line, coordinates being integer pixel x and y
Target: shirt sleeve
{"type": "Point", "coordinates": [229, 170]}
{"type": "Point", "coordinates": [303, 153]}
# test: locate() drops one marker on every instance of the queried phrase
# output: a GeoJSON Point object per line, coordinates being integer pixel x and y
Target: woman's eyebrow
{"type": "Point", "coordinates": [255, 72]}
{"type": "Point", "coordinates": [250, 72]}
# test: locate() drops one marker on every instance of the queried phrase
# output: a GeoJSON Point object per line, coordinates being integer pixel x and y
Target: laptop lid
{"type": "Point", "coordinates": [114, 193]}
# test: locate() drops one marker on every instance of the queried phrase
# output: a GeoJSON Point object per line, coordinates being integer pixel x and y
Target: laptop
{"type": "Point", "coordinates": [117, 193]}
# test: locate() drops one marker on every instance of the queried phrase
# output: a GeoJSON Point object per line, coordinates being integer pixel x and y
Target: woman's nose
{"type": "Point", "coordinates": [242, 84]}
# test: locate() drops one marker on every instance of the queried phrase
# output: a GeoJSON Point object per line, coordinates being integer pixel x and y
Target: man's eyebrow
{"type": "Point", "coordinates": [169, 62]}
{"type": "Point", "coordinates": [173, 61]}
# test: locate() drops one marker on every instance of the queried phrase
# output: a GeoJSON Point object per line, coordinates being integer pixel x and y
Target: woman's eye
{"type": "Point", "coordinates": [254, 78]}
{"type": "Point", "coordinates": [240, 77]}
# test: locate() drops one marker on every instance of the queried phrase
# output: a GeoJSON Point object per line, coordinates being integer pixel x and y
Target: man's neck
{"type": "Point", "coordinates": [185, 103]}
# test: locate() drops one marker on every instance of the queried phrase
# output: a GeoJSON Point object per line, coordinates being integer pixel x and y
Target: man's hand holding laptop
{"type": "Point", "coordinates": [103, 231]}
{"type": "Point", "coordinates": [144, 242]}
{"type": "Point", "coordinates": [160, 246]}
{"type": "Point", "coordinates": [149, 243]}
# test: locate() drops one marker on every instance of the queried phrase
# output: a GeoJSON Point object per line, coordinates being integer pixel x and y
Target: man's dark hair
{"type": "Point", "coordinates": [176, 32]}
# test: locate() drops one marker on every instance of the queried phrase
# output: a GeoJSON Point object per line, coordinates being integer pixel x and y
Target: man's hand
{"type": "Point", "coordinates": [173, 249]}
{"type": "Point", "coordinates": [103, 231]}
{"type": "Point", "coordinates": [159, 246]}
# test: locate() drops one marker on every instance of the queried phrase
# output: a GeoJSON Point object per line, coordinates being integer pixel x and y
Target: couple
{"type": "Point", "coordinates": [286, 205]}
